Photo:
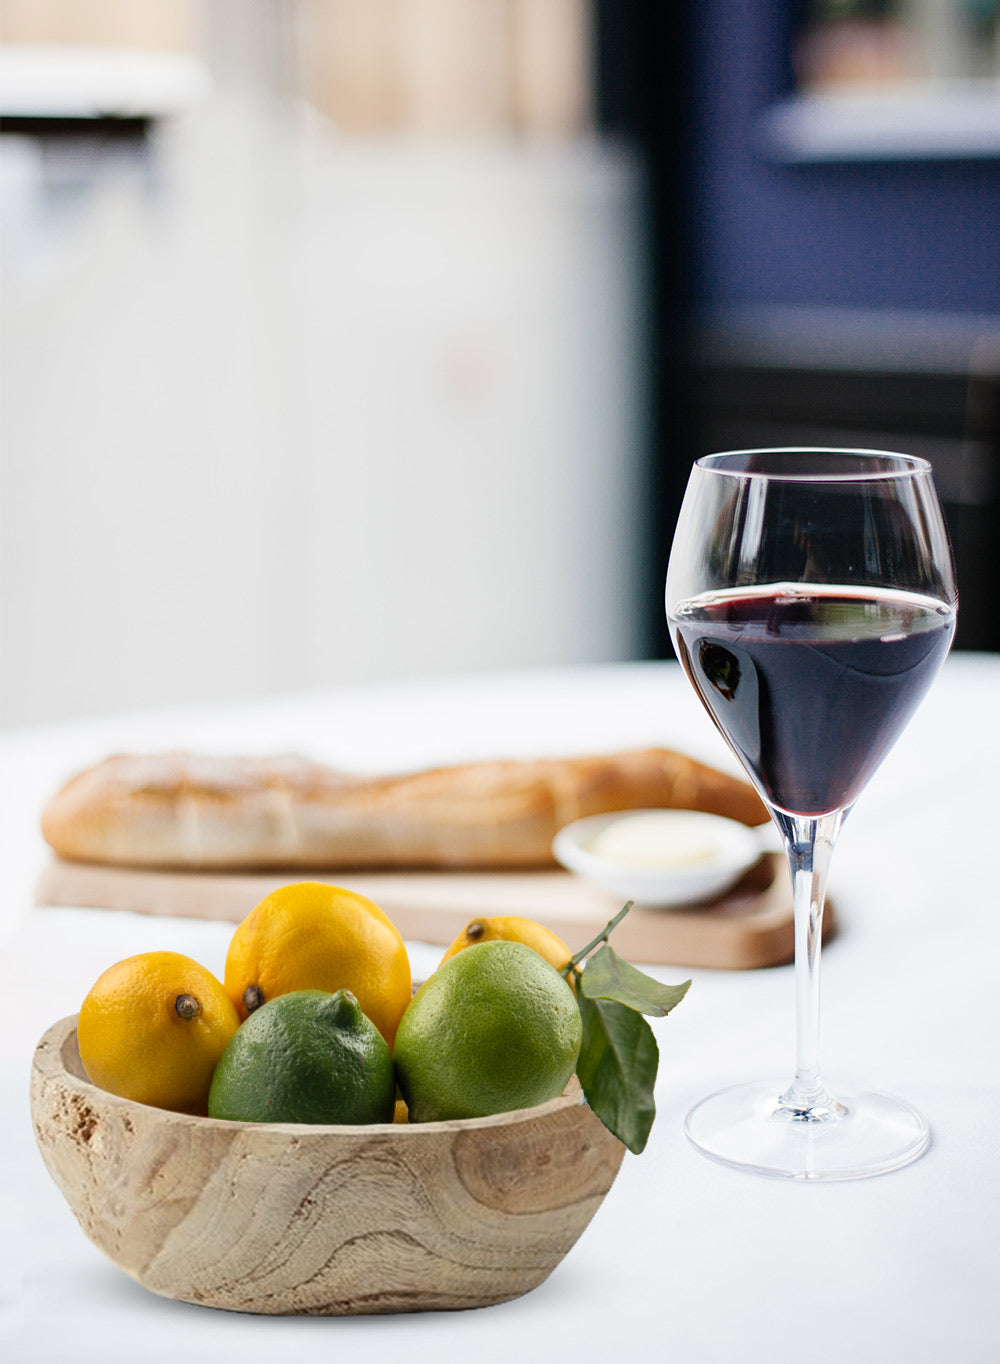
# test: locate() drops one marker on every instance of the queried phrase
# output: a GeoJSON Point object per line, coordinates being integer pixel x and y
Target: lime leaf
{"type": "Point", "coordinates": [617, 1068]}
{"type": "Point", "coordinates": [609, 976]}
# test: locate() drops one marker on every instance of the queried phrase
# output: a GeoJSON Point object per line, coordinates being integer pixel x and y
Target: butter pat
{"type": "Point", "coordinates": [657, 838]}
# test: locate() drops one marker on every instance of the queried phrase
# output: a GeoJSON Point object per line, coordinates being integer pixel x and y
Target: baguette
{"type": "Point", "coordinates": [181, 811]}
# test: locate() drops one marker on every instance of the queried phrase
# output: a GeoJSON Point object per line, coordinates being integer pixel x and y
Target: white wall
{"type": "Point", "coordinates": [302, 412]}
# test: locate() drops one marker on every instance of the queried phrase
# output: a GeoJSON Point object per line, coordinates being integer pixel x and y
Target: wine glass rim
{"type": "Point", "coordinates": [895, 465]}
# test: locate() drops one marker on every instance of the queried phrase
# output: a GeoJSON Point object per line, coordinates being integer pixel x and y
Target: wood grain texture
{"type": "Point", "coordinates": [287, 1218]}
{"type": "Point", "coordinates": [749, 927]}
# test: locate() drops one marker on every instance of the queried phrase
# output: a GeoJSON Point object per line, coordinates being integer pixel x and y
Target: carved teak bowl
{"type": "Point", "coordinates": [290, 1218]}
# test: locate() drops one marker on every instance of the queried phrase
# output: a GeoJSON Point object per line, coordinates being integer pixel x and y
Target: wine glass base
{"type": "Point", "coordinates": [862, 1133]}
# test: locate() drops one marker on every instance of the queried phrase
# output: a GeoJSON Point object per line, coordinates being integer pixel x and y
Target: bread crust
{"type": "Point", "coordinates": [185, 811]}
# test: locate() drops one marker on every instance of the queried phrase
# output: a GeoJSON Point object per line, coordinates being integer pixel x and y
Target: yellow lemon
{"type": "Point", "coordinates": [512, 928]}
{"type": "Point", "coordinates": [152, 1029]}
{"type": "Point", "coordinates": [311, 936]}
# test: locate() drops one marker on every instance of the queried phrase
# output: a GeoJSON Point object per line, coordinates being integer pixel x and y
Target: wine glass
{"type": "Point", "coordinates": [811, 600]}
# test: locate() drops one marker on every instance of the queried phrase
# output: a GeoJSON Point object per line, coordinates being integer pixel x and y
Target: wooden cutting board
{"type": "Point", "coordinates": [751, 926]}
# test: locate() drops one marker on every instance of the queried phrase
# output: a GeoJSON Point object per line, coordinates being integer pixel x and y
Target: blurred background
{"type": "Point", "coordinates": [346, 340]}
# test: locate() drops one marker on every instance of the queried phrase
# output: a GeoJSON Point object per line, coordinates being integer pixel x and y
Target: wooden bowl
{"type": "Point", "coordinates": [290, 1218]}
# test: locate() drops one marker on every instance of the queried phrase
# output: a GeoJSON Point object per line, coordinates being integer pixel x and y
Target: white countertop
{"type": "Point", "coordinates": [685, 1259]}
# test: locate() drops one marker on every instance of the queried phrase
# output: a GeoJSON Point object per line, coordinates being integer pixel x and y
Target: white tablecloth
{"type": "Point", "coordinates": [686, 1259]}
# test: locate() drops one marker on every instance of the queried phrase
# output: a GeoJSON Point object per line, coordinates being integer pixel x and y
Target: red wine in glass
{"type": "Point", "coordinates": [811, 600]}
{"type": "Point", "coordinates": [812, 686]}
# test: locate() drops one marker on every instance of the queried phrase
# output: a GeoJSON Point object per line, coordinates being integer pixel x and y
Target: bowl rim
{"type": "Point", "coordinates": [574, 836]}
{"type": "Point", "coordinates": [49, 1060]}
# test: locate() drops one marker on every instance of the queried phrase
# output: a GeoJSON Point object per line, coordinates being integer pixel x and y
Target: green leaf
{"type": "Point", "coordinates": [617, 1068]}
{"type": "Point", "coordinates": [609, 976]}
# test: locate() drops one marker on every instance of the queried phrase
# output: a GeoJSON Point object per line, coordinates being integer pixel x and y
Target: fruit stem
{"type": "Point", "coordinates": [186, 1006]}
{"type": "Point", "coordinates": [603, 936]}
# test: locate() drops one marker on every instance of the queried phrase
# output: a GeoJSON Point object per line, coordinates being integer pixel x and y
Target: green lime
{"type": "Point", "coordinates": [307, 1056]}
{"type": "Point", "coordinates": [493, 1029]}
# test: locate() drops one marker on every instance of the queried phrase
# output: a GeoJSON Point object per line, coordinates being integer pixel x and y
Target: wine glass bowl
{"type": "Point", "coordinates": [811, 601]}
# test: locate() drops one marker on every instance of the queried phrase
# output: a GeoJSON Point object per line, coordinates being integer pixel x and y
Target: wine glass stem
{"type": "Point", "coordinates": [809, 846]}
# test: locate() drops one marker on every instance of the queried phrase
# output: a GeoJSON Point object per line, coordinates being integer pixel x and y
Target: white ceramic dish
{"type": "Point", "coordinates": [663, 859]}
